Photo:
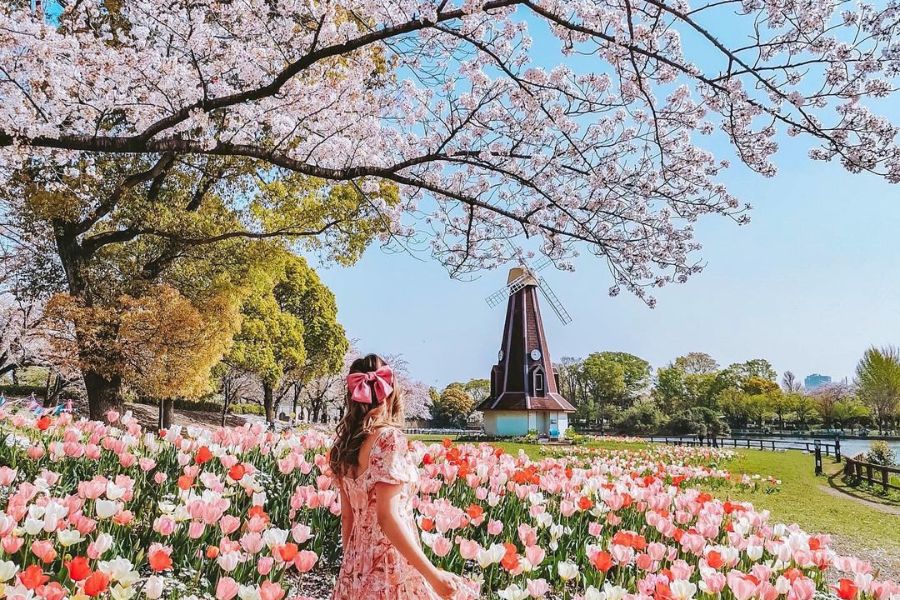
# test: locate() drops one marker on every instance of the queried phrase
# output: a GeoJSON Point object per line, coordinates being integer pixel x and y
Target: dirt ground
{"type": "Point", "coordinates": [148, 417]}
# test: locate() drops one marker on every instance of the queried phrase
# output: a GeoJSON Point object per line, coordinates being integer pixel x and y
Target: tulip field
{"type": "Point", "coordinates": [91, 510]}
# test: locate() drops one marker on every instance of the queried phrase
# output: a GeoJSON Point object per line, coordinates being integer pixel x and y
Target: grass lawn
{"type": "Point", "coordinates": [812, 502]}
{"type": "Point", "coordinates": [804, 499]}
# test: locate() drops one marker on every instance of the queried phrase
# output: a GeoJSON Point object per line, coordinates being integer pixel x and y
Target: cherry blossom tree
{"type": "Point", "coordinates": [323, 398]}
{"type": "Point", "coordinates": [609, 151]}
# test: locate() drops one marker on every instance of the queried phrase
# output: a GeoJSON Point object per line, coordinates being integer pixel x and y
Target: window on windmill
{"type": "Point", "coordinates": [538, 382]}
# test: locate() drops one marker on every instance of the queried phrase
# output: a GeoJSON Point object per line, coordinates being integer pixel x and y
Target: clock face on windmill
{"type": "Point", "coordinates": [535, 354]}
{"type": "Point", "coordinates": [500, 356]}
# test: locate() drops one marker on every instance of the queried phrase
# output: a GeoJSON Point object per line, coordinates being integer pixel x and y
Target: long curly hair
{"type": "Point", "coordinates": [360, 420]}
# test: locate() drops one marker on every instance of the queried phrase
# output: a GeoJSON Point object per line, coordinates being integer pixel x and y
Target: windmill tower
{"type": "Point", "coordinates": [524, 386]}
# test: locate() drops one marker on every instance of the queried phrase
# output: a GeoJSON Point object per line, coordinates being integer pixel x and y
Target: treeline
{"type": "Point", "coordinates": [617, 391]}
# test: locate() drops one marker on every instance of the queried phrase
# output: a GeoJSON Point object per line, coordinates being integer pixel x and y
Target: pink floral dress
{"type": "Point", "coordinates": [372, 568]}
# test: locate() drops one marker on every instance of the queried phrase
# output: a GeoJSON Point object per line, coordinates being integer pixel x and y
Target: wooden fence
{"type": "Point", "coordinates": [857, 469]}
{"type": "Point", "coordinates": [828, 448]}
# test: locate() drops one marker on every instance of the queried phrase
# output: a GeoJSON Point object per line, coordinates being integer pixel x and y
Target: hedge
{"type": "Point", "coordinates": [209, 406]}
{"type": "Point", "coordinates": [23, 390]}
{"type": "Point", "coordinates": [247, 409]}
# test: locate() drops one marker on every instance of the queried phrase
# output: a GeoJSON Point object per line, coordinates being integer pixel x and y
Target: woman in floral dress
{"type": "Point", "coordinates": [383, 559]}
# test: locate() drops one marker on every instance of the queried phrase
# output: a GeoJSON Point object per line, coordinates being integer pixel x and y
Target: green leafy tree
{"type": "Point", "coordinates": [124, 224]}
{"type": "Point", "coordinates": [696, 363]}
{"type": "Point", "coordinates": [615, 377]}
{"type": "Point", "coordinates": [757, 367]}
{"type": "Point", "coordinates": [453, 406]}
{"type": "Point", "coordinates": [690, 381]}
{"type": "Point", "coordinates": [643, 418]}
{"type": "Point", "coordinates": [878, 382]}
{"type": "Point", "coordinates": [289, 328]}
{"type": "Point", "coordinates": [804, 407]}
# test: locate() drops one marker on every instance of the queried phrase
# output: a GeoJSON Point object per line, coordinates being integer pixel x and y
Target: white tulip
{"type": "Point", "coordinates": [120, 592]}
{"type": "Point", "coordinates": [567, 570]}
{"type": "Point", "coordinates": [8, 570]}
{"type": "Point", "coordinates": [114, 492]}
{"type": "Point", "coordinates": [153, 589]}
{"type": "Point", "coordinates": [613, 592]}
{"type": "Point", "coordinates": [106, 508]}
{"type": "Point", "coordinates": [593, 593]}
{"type": "Point", "coordinates": [513, 592]}
{"type": "Point", "coordinates": [682, 589]}
{"type": "Point", "coordinates": [68, 537]}
{"type": "Point", "coordinates": [33, 526]}
{"type": "Point", "coordinates": [248, 592]}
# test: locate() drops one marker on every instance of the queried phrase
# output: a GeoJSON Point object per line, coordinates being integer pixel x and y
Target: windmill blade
{"type": "Point", "coordinates": [497, 297]}
{"type": "Point", "coordinates": [554, 302]}
{"type": "Point", "coordinates": [543, 264]}
{"type": "Point", "coordinates": [500, 296]}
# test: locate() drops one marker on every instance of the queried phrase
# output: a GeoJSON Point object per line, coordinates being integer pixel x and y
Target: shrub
{"type": "Point", "coordinates": [698, 421]}
{"type": "Point", "coordinates": [641, 419]}
{"type": "Point", "coordinates": [23, 390]}
{"type": "Point", "coordinates": [186, 404]}
{"type": "Point", "coordinates": [881, 454]}
{"type": "Point", "coordinates": [247, 408]}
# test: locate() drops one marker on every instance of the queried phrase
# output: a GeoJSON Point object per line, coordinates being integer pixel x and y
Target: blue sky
{"type": "Point", "coordinates": [810, 283]}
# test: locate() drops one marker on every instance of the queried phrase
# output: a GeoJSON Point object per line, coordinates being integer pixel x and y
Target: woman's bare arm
{"type": "Point", "coordinates": [387, 497]}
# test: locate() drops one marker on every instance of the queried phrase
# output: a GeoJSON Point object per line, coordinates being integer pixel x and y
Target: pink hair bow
{"type": "Point", "coordinates": [381, 381]}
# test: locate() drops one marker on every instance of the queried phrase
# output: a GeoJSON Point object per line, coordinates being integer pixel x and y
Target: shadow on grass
{"type": "Point", "coordinates": [837, 483]}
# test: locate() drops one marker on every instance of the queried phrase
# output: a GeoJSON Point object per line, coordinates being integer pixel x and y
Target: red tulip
{"type": "Point", "coordinates": [846, 589]}
{"type": "Point", "coordinates": [33, 577]}
{"type": "Point", "coordinates": [96, 584]}
{"type": "Point", "coordinates": [78, 568]}
{"type": "Point", "coordinates": [159, 560]}
{"type": "Point", "coordinates": [237, 472]}
{"type": "Point", "coordinates": [203, 455]}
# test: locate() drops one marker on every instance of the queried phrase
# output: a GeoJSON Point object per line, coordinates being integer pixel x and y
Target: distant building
{"type": "Point", "coordinates": [816, 381]}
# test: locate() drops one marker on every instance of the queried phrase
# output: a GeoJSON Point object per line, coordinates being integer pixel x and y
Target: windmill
{"type": "Point", "coordinates": [524, 275]}
{"type": "Point", "coordinates": [524, 388]}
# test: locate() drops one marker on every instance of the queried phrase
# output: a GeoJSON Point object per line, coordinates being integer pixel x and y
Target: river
{"type": "Point", "coordinates": [849, 447]}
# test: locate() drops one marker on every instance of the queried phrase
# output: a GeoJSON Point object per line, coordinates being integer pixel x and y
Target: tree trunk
{"type": "Point", "coordinates": [166, 413]}
{"type": "Point", "coordinates": [104, 394]}
{"type": "Point", "coordinates": [294, 415]}
{"type": "Point", "coordinates": [269, 402]}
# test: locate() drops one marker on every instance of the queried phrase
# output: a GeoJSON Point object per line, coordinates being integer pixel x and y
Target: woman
{"type": "Point", "coordinates": [383, 559]}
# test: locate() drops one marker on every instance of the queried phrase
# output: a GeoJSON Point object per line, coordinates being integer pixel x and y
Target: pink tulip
{"type": "Point", "coordinates": [196, 529]}
{"type": "Point", "coordinates": [715, 582]}
{"type": "Point", "coordinates": [742, 588]}
{"type": "Point", "coordinates": [264, 565]}
{"type": "Point", "coordinates": [538, 588]}
{"type": "Point", "coordinates": [441, 546]}
{"type": "Point", "coordinates": [301, 533]}
{"type": "Point", "coordinates": [252, 542]}
{"type": "Point", "coordinates": [305, 560]}
{"type": "Point", "coordinates": [44, 550]}
{"type": "Point", "coordinates": [229, 524]}
{"type": "Point", "coordinates": [11, 544]}
{"type": "Point", "coordinates": [7, 475]}
{"type": "Point", "coordinates": [469, 549]}
{"type": "Point", "coordinates": [226, 589]}
{"type": "Point", "coordinates": [495, 527]}
{"type": "Point", "coordinates": [269, 590]}
{"type": "Point", "coordinates": [527, 534]}
{"type": "Point", "coordinates": [535, 555]}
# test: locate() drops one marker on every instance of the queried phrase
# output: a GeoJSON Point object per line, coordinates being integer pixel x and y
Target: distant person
{"type": "Point", "coordinates": [383, 558]}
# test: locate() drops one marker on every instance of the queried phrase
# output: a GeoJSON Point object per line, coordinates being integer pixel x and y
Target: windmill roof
{"type": "Point", "coordinates": [521, 401]}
